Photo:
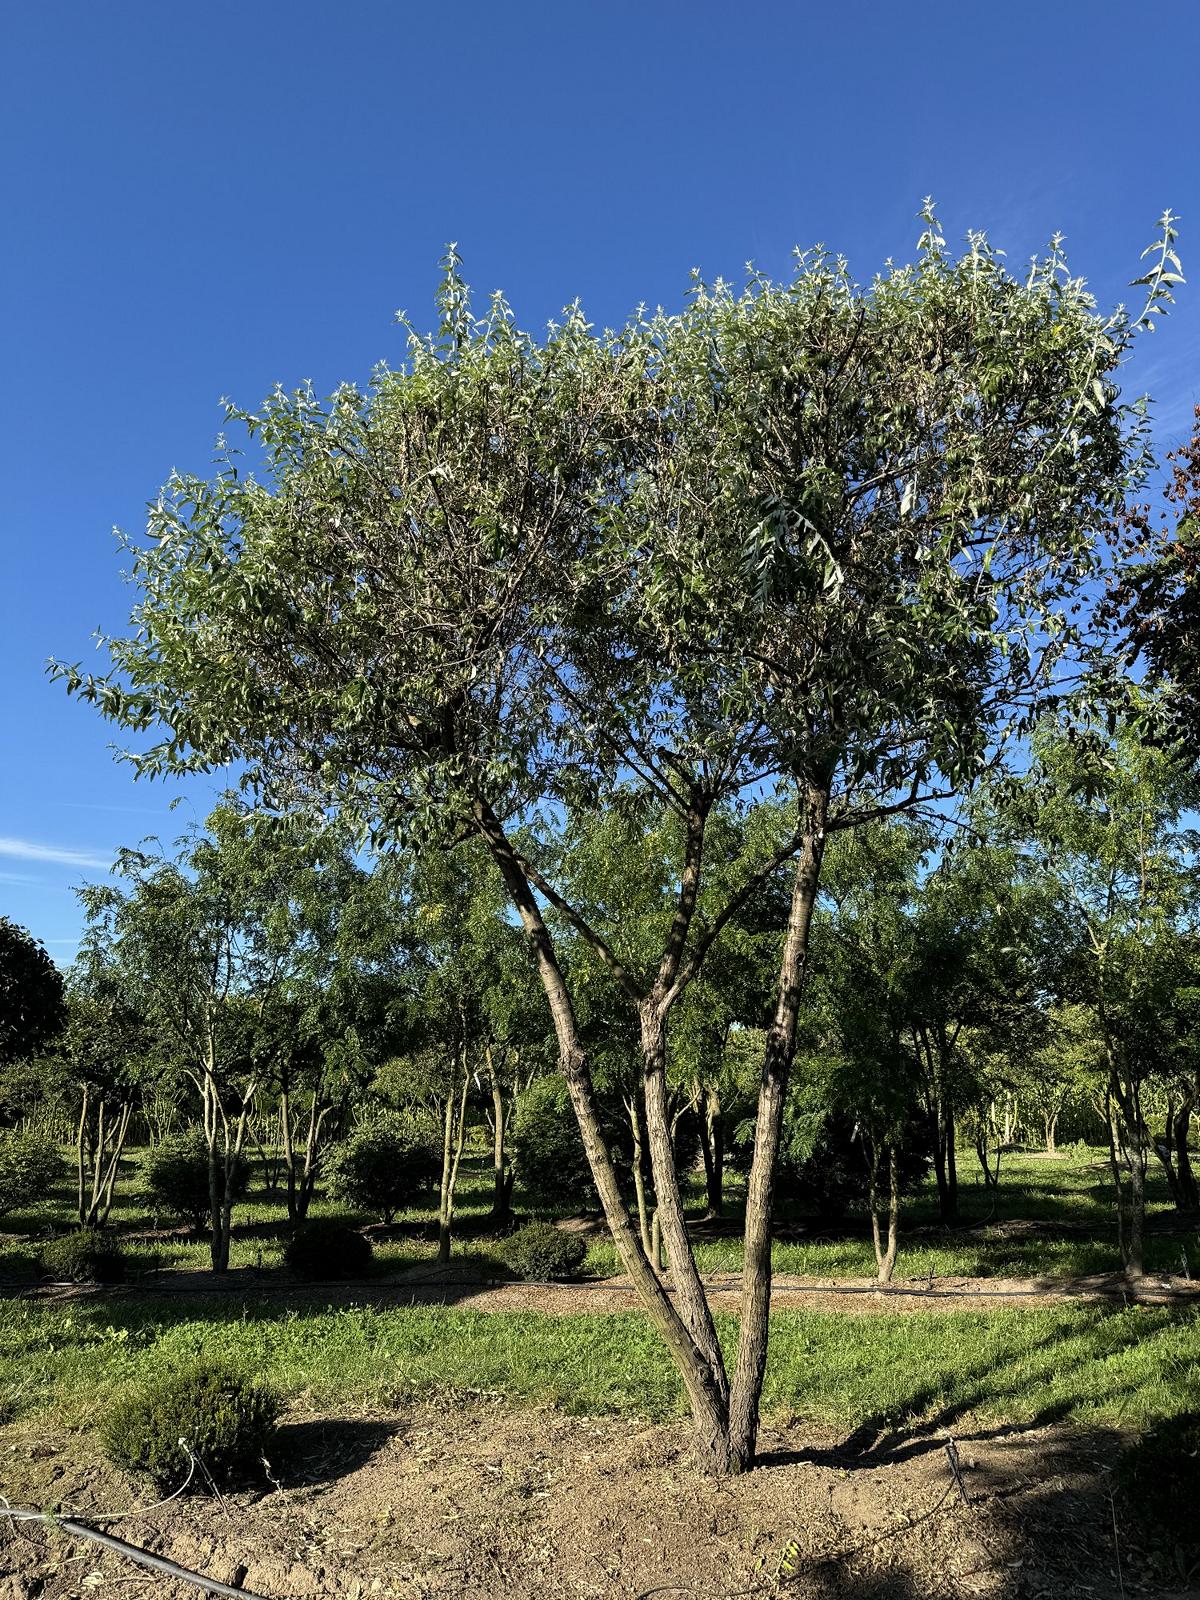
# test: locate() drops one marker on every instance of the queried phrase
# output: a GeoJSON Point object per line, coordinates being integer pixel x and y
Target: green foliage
{"type": "Point", "coordinates": [323, 1247]}
{"type": "Point", "coordinates": [540, 1251]}
{"type": "Point", "coordinates": [1159, 1480]}
{"type": "Point", "coordinates": [29, 1167]}
{"type": "Point", "coordinates": [550, 1160]}
{"type": "Point", "coordinates": [207, 1409]}
{"type": "Point", "coordinates": [177, 1177]}
{"type": "Point", "coordinates": [89, 1255]}
{"type": "Point", "coordinates": [382, 1167]}
{"type": "Point", "coordinates": [31, 993]}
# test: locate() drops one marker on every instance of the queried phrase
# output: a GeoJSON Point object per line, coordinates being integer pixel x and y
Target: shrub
{"type": "Point", "coordinates": [177, 1177]}
{"type": "Point", "coordinates": [1159, 1479]}
{"type": "Point", "coordinates": [383, 1168]}
{"type": "Point", "coordinates": [326, 1248]}
{"type": "Point", "coordinates": [550, 1160]}
{"type": "Point", "coordinates": [225, 1418]}
{"type": "Point", "coordinates": [539, 1250]}
{"type": "Point", "coordinates": [29, 1166]}
{"type": "Point", "coordinates": [87, 1256]}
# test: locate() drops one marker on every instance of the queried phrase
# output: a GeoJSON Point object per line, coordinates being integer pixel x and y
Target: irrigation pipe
{"type": "Point", "coordinates": [132, 1552]}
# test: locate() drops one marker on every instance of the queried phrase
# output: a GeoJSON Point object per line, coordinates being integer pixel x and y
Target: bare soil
{"type": "Point", "coordinates": [462, 1286]}
{"type": "Point", "coordinates": [438, 1502]}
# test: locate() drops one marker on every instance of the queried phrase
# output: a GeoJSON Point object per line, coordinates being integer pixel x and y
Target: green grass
{"type": "Point", "coordinates": [1068, 1201]}
{"type": "Point", "coordinates": [1083, 1363]}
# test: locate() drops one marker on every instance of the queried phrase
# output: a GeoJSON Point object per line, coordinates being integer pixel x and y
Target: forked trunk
{"type": "Point", "coordinates": [454, 1133]}
{"type": "Point", "coordinates": [746, 1392]}
{"type": "Point", "coordinates": [710, 1413]}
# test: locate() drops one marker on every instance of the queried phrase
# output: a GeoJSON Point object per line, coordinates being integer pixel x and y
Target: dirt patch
{"type": "Point", "coordinates": [462, 1286]}
{"type": "Point", "coordinates": [477, 1500]}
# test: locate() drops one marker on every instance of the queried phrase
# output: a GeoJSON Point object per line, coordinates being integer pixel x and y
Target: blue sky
{"type": "Point", "coordinates": [204, 200]}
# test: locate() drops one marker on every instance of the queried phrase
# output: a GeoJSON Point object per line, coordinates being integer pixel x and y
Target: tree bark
{"type": "Point", "coordinates": [710, 1414]}
{"type": "Point", "coordinates": [454, 1136]}
{"type": "Point", "coordinates": [885, 1259]}
{"type": "Point", "coordinates": [746, 1393]}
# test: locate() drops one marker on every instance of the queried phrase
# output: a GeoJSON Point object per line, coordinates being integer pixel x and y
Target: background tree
{"type": "Point", "coordinates": [1102, 817]}
{"type": "Point", "coordinates": [31, 994]}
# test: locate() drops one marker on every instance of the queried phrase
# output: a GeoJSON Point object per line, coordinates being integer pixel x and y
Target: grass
{"type": "Point", "coordinates": [1083, 1363]}
{"type": "Point", "coordinates": [1066, 1203]}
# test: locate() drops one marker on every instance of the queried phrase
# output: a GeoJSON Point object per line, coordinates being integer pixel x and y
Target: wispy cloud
{"type": "Point", "coordinates": [30, 850]}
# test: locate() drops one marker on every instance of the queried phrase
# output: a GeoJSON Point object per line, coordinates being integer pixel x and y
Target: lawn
{"type": "Point", "coordinates": [1049, 1217]}
{"type": "Point", "coordinates": [1085, 1363]}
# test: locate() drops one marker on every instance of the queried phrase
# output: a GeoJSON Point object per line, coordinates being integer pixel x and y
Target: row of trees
{"type": "Point", "coordinates": [826, 546]}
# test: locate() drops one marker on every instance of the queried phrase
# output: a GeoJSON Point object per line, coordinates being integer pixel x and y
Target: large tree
{"type": "Point", "coordinates": [810, 538]}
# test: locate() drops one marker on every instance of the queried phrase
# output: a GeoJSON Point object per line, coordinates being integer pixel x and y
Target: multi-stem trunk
{"type": "Point", "coordinates": [454, 1133]}
{"type": "Point", "coordinates": [746, 1394]}
{"type": "Point", "coordinates": [706, 1395]}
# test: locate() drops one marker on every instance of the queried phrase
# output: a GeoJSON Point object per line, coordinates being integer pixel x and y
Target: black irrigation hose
{"type": "Point", "coordinates": [133, 1552]}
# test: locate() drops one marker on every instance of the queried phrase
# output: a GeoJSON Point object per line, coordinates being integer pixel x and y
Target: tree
{"type": "Point", "coordinates": [810, 538]}
{"type": "Point", "coordinates": [31, 994]}
{"type": "Point", "coordinates": [109, 1051]}
{"type": "Point", "coordinates": [1101, 815]}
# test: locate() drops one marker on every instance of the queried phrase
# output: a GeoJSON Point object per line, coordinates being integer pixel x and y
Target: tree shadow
{"type": "Point", "coordinates": [307, 1454]}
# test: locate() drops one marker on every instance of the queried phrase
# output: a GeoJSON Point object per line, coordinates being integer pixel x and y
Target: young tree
{"type": "Point", "coordinates": [108, 1051]}
{"type": "Point", "coordinates": [811, 537]}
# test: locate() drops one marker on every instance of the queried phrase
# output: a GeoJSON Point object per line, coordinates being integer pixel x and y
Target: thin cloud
{"type": "Point", "coordinates": [29, 850]}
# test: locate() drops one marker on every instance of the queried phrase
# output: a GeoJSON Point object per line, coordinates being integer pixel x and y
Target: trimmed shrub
{"type": "Point", "coordinates": [29, 1166]}
{"type": "Point", "coordinates": [541, 1251]}
{"type": "Point", "coordinates": [549, 1155]}
{"type": "Point", "coordinates": [177, 1177]}
{"type": "Point", "coordinates": [382, 1168]}
{"type": "Point", "coordinates": [226, 1419]}
{"type": "Point", "coordinates": [326, 1248]}
{"type": "Point", "coordinates": [87, 1256]}
{"type": "Point", "coordinates": [1159, 1480]}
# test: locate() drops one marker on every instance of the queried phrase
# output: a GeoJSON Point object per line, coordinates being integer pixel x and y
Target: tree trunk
{"type": "Point", "coordinates": [710, 1414]}
{"type": "Point", "coordinates": [452, 1149]}
{"type": "Point", "coordinates": [501, 1172]}
{"type": "Point", "coordinates": [689, 1290]}
{"type": "Point", "coordinates": [746, 1392]}
{"type": "Point", "coordinates": [712, 1146]}
{"type": "Point", "coordinates": [885, 1259]}
{"type": "Point", "coordinates": [633, 1107]}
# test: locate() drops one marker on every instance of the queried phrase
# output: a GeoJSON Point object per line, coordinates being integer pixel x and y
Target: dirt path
{"type": "Point", "coordinates": [454, 1287]}
{"type": "Point", "coordinates": [469, 1502]}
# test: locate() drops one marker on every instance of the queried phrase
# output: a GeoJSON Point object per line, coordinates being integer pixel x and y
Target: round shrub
{"type": "Point", "coordinates": [226, 1419]}
{"type": "Point", "coordinates": [550, 1160]}
{"type": "Point", "coordinates": [541, 1251]}
{"type": "Point", "coordinates": [1159, 1479]}
{"type": "Point", "coordinates": [29, 1166]}
{"type": "Point", "coordinates": [326, 1248]}
{"type": "Point", "coordinates": [382, 1168]}
{"type": "Point", "coordinates": [87, 1256]}
{"type": "Point", "coordinates": [177, 1177]}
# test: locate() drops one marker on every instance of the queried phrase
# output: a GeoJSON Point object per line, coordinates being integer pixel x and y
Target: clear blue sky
{"type": "Point", "coordinates": [202, 200]}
